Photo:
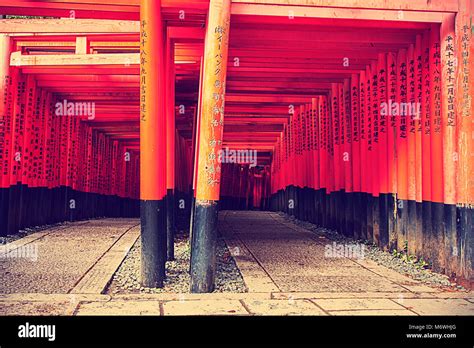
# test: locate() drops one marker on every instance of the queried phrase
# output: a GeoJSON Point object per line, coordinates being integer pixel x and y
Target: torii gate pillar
{"type": "Point", "coordinates": [204, 233]}
{"type": "Point", "coordinates": [152, 144]}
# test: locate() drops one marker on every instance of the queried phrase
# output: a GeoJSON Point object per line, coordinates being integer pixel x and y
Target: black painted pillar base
{"type": "Point", "coordinates": [333, 210]}
{"type": "Point", "coordinates": [306, 204]}
{"type": "Point", "coordinates": [170, 224]}
{"type": "Point", "coordinates": [383, 221]}
{"type": "Point", "coordinates": [466, 238]}
{"type": "Point", "coordinates": [428, 241]}
{"type": "Point", "coordinates": [153, 237]}
{"type": "Point", "coordinates": [363, 215]}
{"type": "Point", "coordinates": [191, 224]}
{"type": "Point", "coordinates": [24, 216]}
{"type": "Point", "coordinates": [300, 210]}
{"type": "Point", "coordinates": [376, 219]}
{"type": "Point", "coordinates": [419, 247]}
{"type": "Point", "coordinates": [356, 215]}
{"type": "Point", "coordinates": [327, 209]}
{"type": "Point", "coordinates": [437, 214]}
{"type": "Point", "coordinates": [13, 223]}
{"type": "Point", "coordinates": [451, 240]}
{"type": "Point", "coordinates": [392, 222]}
{"type": "Point", "coordinates": [402, 223]}
{"type": "Point", "coordinates": [370, 217]}
{"type": "Point", "coordinates": [341, 212]}
{"type": "Point", "coordinates": [4, 194]}
{"type": "Point", "coordinates": [203, 249]}
{"type": "Point", "coordinates": [316, 201]}
{"type": "Point", "coordinates": [349, 216]}
{"type": "Point", "coordinates": [411, 227]}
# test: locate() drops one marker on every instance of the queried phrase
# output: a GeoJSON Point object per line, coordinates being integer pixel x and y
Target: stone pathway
{"type": "Point", "coordinates": [285, 267]}
{"type": "Point", "coordinates": [276, 303]}
{"type": "Point", "coordinates": [274, 254]}
{"type": "Point", "coordinates": [70, 258]}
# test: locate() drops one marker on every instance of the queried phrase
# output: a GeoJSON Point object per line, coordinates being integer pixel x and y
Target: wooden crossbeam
{"type": "Point", "coordinates": [65, 26]}
{"type": "Point", "coordinates": [124, 59]}
{"type": "Point", "coordinates": [418, 5]}
{"type": "Point", "coordinates": [291, 12]}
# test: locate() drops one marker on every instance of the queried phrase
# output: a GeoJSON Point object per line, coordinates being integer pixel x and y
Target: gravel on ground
{"type": "Point", "coordinates": [127, 278]}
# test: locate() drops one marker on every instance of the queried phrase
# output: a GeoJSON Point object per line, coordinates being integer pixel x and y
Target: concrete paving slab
{"type": "Point", "coordinates": [54, 297]}
{"type": "Point", "coordinates": [27, 308]}
{"type": "Point", "coordinates": [119, 308]}
{"type": "Point", "coordinates": [204, 307]}
{"type": "Point", "coordinates": [193, 297]}
{"type": "Point", "coordinates": [357, 304]}
{"type": "Point", "coordinates": [283, 307]}
{"type": "Point", "coordinates": [451, 294]}
{"type": "Point", "coordinates": [419, 287]}
{"type": "Point", "coordinates": [348, 295]}
{"type": "Point", "coordinates": [378, 312]}
{"type": "Point", "coordinates": [291, 283]}
{"type": "Point", "coordinates": [319, 269]}
{"type": "Point", "coordinates": [95, 281]}
{"type": "Point", "coordinates": [255, 277]}
{"type": "Point", "coordinates": [400, 279]}
{"type": "Point", "coordinates": [438, 306]}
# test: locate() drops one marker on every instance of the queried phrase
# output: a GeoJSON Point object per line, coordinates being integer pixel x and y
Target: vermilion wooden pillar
{"type": "Point", "coordinates": [369, 149]}
{"type": "Point", "coordinates": [195, 149]}
{"type": "Point", "coordinates": [347, 157]}
{"type": "Point", "coordinates": [355, 123]}
{"type": "Point", "coordinates": [335, 127]}
{"type": "Point", "coordinates": [5, 119]}
{"type": "Point", "coordinates": [374, 153]}
{"type": "Point", "coordinates": [426, 129]}
{"type": "Point", "coordinates": [5, 109]}
{"type": "Point", "coordinates": [347, 160]}
{"type": "Point", "coordinates": [449, 124]}
{"type": "Point", "coordinates": [16, 157]}
{"type": "Point", "coordinates": [382, 153]}
{"type": "Point", "coordinates": [391, 150]}
{"type": "Point", "coordinates": [203, 262]}
{"type": "Point", "coordinates": [437, 179]}
{"type": "Point", "coordinates": [153, 144]}
{"type": "Point", "coordinates": [170, 148]}
{"type": "Point", "coordinates": [418, 144]}
{"type": "Point", "coordinates": [411, 147]}
{"type": "Point", "coordinates": [402, 152]}
{"type": "Point", "coordinates": [363, 153]}
{"type": "Point", "coordinates": [465, 141]}
{"type": "Point", "coordinates": [323, 158]}
{"type": "Point", "coordinates": [315, 118]}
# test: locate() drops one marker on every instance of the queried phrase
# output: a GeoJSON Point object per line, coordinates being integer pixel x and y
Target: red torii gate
{"type": "Point", "coordinates": [322, 153]}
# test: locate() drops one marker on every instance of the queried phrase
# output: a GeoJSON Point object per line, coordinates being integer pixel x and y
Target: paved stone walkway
{"type": "Point", "coordinates": [66, 258]}
{"type": "Point", "coordinates": [286, 257]}
{"type": "Point", "coordinates": [283, 265]}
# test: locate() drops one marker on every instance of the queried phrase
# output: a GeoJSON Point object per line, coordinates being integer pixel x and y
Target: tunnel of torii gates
{"type": "Point", "coordinates": [360, 113]}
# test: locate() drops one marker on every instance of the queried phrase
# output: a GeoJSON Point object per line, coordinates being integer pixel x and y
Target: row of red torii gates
{"type": "Point", "coordinates": [443, 130]}
{"type": "Point", "coordinates": [304, 86]}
